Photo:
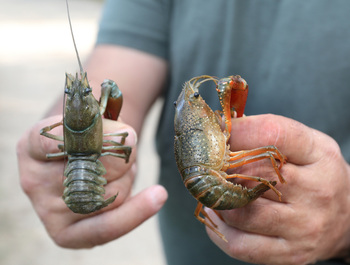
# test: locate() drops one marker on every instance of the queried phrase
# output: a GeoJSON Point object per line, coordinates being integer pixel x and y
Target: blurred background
{"type": "Point", "coordinates": [35, 52]}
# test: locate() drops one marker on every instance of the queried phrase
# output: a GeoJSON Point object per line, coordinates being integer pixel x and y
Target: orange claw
{"type": "Point", "coordinates": [239, 94]}
{"type": "Point", "coordinates": [233, 93]}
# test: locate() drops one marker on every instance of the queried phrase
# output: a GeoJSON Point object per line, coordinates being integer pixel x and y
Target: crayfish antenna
{"type": "Point", "coordinates": [75, 46]}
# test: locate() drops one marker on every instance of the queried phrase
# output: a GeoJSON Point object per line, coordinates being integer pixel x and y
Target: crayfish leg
{"type": "Point", "coordinates": [219, 215]}
{"type": "Point", "coordinates": [126, 152]}
{"type": "Point", "coordinates": [199, 210]}
{"type": "Point", "coordinates": [257, 154]}
{"type": "Point", "coordinates": [56, 155]}
{"type": "Point", "coordinates": [116, 146]}
{"type": "Point", "coordinates": [44, 131]}
{"type": "Point", "coordinates": [122, 141]}
{"type": "Point", "coordinates": [257, 179]}
{"type": "Point", "coordinates": [257, 151]}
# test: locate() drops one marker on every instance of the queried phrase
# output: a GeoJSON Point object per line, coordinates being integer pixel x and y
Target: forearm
{"type": "Point", "coordinates": [140, 77]}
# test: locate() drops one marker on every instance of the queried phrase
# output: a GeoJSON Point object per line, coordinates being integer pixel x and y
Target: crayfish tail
{"type": "Point", "coordinates": [84, 186]}
{"type": "Point", "coordinates": [259, 190]}
{"type": "Point", "coordinates": [85, 204]}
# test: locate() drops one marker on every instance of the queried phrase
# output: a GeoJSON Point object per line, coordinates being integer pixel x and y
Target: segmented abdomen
{"type": "Point", "coordinates": [214, 191]}
{"type": "Point", "coordinates": [84, 192]}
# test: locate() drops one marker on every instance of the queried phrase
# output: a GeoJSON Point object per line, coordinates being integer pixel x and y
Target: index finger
{"type": "Point", "coordinates": [292, 138]}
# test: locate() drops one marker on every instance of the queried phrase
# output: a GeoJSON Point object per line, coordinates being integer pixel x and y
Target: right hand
{"type": "Point", "coordinates": [42, 181]}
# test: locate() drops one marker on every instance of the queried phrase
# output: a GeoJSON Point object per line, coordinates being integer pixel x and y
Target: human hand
{"type": "Point", "coordinates": [42, 180]}
{"type": "Point", "coordinates": [312, 221]}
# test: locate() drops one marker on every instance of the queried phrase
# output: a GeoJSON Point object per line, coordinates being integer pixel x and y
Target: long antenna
{"type": "Point", "coordinates": [75, 46]}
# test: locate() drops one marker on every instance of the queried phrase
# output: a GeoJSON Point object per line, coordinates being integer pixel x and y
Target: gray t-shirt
{"type": "Point", "coordinates": [295, 56]}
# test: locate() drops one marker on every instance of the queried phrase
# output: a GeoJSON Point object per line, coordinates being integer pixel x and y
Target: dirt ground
{"type": "Point", "coordinates": [35, 52]}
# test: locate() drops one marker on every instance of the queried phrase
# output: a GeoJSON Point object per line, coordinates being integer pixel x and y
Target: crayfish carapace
{"type": "Point", "coordinates": [202, 152]}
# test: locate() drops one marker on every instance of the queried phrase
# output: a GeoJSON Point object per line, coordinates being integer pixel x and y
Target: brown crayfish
{"type": "Point", "coordinates": [202, 152]}
{"type": "Point", "coordinates": [83, 140]}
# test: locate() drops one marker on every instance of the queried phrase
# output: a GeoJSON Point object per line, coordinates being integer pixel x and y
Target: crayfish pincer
{"type": "Point", "coordinates": [202, 153]}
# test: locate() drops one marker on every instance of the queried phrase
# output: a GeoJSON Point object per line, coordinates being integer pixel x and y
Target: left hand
{"type": "Point", "coordinates": [312, 221]}
{"type": "Point", "coordinates": [42, 180]}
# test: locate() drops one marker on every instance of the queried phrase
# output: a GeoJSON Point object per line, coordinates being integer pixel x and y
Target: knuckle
{"type": "Point", "coordinates": [325, 147]}
{"type": "Point", "coordinates": [272, 130]}
{"type": "Point", "coordinates": [332, 149]}
{"type": "Point", "coordinates": [27, 184]}
{"type": "Point", "coordinates": [64, 240]}
{"type": "Point", "coordinates": [326, 196]}
{"type": "Point", "coordinates": [238, 250]}
{"type": "Point", "coordinates": [61, 241]}
{"type": "Point", "coordinates": [20, 146]}
{"type": "Point", "coordinates": [299, 259]}
{"type": "Point", "coordinates": [295, 254]}
{"type": "Point", "coordinates": [303, 253]}
{"type": "Point", "coordinates": [314, 229]}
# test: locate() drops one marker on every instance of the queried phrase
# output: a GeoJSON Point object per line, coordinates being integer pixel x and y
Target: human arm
{"type": "Point", "coordinates": [42, 179]}
{"type": "Point", "coordinates": [312, 221]}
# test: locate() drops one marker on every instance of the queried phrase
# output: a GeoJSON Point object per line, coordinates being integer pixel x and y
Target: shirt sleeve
{"type": "Point", "coordinates": [138, 24]}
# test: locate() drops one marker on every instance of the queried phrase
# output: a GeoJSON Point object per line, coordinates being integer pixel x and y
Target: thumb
{"type": "Point", "coordinates": [113, 224]}
{"type": "Point", "coordinates": [292, 138]}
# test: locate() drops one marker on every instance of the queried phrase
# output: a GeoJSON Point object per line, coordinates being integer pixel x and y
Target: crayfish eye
{"type": "Point", "coordinates": [196, 94]}
{"type": "Point", "coordinates": [87, 90]}
{"type": "Point", "coordinates": [66, 90]}
{"type": "Point", "coordinates": [175, 103]}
